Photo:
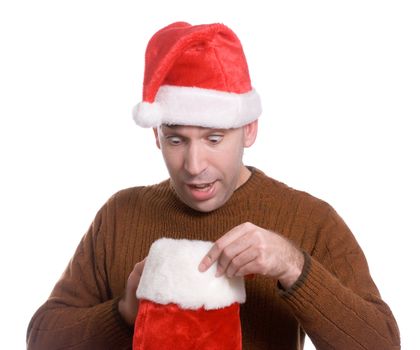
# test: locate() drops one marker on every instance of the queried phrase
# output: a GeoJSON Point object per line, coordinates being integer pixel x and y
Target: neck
{"type": "Point", "coordinates": [244, 175]}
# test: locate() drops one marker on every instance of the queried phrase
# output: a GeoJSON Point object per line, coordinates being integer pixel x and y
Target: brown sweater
{"type": "Point", "coordinates": [335, 300]}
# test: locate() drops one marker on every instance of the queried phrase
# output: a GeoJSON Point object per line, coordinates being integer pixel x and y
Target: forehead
{"type": "Point", "coordinates": [190, 129]}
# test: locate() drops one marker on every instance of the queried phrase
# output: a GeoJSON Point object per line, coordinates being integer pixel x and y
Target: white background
{"type": "Point", "coordinates": [340, 83]}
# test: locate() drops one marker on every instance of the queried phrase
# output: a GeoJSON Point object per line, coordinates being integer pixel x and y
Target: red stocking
{"type": "Point", "coordinates": [183, 309]}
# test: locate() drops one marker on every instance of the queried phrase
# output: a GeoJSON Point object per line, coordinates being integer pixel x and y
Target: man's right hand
{"type": "Point", "coordinates": [128, 305]}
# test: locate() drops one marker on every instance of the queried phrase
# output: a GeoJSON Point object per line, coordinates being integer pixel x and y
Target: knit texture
{"type": "Point", "coordinates": [334, 301]}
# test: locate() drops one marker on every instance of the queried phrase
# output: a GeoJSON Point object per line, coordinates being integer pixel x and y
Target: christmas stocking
{"type": "Point", "coordinates": [182, 308]}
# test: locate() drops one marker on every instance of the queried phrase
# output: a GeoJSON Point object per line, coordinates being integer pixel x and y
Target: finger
{"type": "Point", "coordinates": [232, 251]}
{"type": "Point", "coordinates": [248, 270]}
{"type": "Point", "coordinates": [217, 248]}
{"type": "Point", "coordinates": [139, 267]}
{"type": "Point", "coordinates": [240, 261]}
{"type": "Point", "coordinates": [135, 275]}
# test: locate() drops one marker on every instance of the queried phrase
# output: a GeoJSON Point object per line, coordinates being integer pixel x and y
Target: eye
{"type": "Point", "coordinates": [174, 140]}
{"type": "Point", "coordinates": [215, 139]}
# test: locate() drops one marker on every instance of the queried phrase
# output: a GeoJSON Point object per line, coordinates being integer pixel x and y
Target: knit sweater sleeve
{"type": "Point", "coordinates": [336, 300]}
{"type": "Point", "coordinates": [81, 312]}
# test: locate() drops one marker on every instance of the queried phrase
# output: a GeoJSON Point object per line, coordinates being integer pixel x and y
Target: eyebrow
{"type": "Point", "coordinates": [172, 128]}
{"type": "Point", "coordinates": [171, 125]}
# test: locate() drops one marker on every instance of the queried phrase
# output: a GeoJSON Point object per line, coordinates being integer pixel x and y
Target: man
{"type": "Point", "coordinates": [310, 275]}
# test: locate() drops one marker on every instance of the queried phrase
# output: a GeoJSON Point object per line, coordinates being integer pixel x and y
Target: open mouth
{"type": "Point", "coordinates": [202, 191]}
{"type": "Point", "coordinates": [201, 187]}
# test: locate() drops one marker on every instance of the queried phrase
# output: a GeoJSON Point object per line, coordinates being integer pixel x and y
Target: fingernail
{"type": "Point", "coordinates": [202, 267]}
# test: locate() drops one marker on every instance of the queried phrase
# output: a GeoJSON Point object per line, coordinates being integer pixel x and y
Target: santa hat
{"type": "Point", "coordinates": [196, 75]}
{"type": "Point", "coordinates": [183, 308]}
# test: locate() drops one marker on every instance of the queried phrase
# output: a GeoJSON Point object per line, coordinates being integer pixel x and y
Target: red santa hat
{"type": "Point", "coordinates": [196, 75]}
{"type": "Point", "coordinates": [182, 308]}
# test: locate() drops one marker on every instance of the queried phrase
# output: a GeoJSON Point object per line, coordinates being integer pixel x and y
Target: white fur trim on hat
{"type": "Point", "coordinates": [180, 105]}
{"type": "Point", "coordinates": [171, 275]}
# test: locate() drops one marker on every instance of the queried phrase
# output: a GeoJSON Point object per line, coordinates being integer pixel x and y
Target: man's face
{"type": "Point", "coordinates": [205, 165]}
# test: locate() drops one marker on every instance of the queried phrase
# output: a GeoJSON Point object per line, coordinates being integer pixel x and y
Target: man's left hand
{"type": "Point", "coordinates": [248, 249]}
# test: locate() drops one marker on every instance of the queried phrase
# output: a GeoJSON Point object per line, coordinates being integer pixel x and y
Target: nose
{"type": "Point", "coordinates": [195, 161]}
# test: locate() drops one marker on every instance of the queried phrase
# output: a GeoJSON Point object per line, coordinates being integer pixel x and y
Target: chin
{"type": "Point", "coordinates": [205, 206]}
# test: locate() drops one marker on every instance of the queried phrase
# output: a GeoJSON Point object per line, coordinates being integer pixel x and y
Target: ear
{"type": "Point", "coordinates": [250, 133]}
{"type": "Point", "coordinates": [156, 132]}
